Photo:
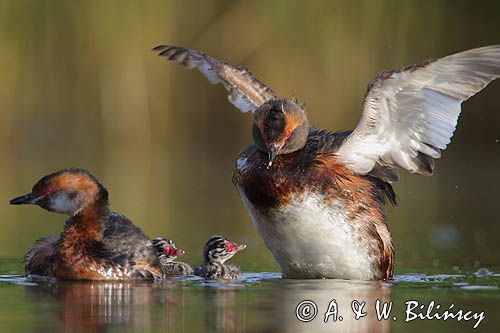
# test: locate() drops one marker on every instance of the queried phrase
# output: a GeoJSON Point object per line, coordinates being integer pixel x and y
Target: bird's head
{"type": "Point", "coordinates": [219, 249]}
{"type": "Point", "coordinates": [166, 249]}
{"type": "Point", "coordinates": [67, 191]}
{"type": "Point", "coordinates": [280, 127]}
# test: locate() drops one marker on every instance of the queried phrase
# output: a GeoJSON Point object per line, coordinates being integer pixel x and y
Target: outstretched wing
{"type": "Point", "coordinates": [245, 91]}
{"type": "Point", "coordinates": [410, 115]}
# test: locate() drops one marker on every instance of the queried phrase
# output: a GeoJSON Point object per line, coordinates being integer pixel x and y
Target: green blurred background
{"type": "Point", "coordinates": [80, 87]}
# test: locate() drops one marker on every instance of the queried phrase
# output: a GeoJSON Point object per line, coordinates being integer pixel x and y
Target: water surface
{"type": "Point", "coordinates": [259, 302]}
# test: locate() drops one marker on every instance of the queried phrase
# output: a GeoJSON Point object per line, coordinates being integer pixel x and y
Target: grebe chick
{"type": "Point", "coordinates": [167, 252]}
{"type": "Point", "coordinates": [217, 251]}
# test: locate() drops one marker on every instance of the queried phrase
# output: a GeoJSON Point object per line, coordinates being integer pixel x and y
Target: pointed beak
{"type": "Point", "coordinates": [24, 199]}
{"type": "Point", "coordinates": [272, 152]}
{"type": "Point", "coordinates": [240, 247]}
{"type": "Point", "coordinates": [173, 251]}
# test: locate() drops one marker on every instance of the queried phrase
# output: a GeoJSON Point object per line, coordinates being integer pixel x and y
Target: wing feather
{"type": "Point", "coordinates": [245, 92]}
{"type": "Point", "coordinates": [410, 115]}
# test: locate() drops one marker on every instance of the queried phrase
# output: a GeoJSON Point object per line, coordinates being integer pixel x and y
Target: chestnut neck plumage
{"type": "Point", "coordinates": [88, 222]}
{"type": "Point", "coordinates": [90, 219]}
{"type": "Point", "coordinates": [84, 230]}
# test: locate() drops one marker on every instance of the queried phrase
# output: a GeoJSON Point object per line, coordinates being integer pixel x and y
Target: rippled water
{"type": "Point", "coordinates": [260, 302]}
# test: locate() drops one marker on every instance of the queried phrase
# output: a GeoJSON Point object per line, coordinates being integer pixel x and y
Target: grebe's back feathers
{"type": "Point", "coordinates": [121, 236]}
{"type": "Point", "coordinates": [40, 259]}
{"type": "Point", "coordinates": [325, 144]}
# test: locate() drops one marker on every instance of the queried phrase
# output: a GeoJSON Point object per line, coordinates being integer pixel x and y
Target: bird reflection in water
{"type": "Point", "coordinates": [221, 314]}
{"type": "Point", "coordinates": [192, 305]}
{"type": "Point", "coordinates": [272, 307]}
{"type": "Point", "coordinates": [95, 306]}
{"type": "Point", "coordinates": [322, 292]}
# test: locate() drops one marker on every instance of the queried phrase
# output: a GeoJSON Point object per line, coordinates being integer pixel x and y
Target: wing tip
{"type": "Point", "coordinates": [424, 164]}
{"type": "Point", "coordinates": [159, 48]}
{"type": "Point", "coordinates": [171, 52]}
{"type": "Point", "coordinates": [164, 47]}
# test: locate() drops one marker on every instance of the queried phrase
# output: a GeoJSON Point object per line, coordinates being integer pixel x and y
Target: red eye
{"type": "Point", "coordinates": [51, 189]}
{"type": "Point", "coordinates": [287, 134]}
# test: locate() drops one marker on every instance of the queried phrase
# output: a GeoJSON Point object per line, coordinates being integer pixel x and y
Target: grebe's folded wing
{"type": "Point", "coordinates": [245, 91]}
{"type": "Point", "coordinates": [410, 115]}
{"type": "Point", "coordinates": [40, 259]}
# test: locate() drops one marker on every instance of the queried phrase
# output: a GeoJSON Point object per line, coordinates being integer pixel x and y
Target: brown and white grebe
{"type": "Point", "coordinates": [317, 197]}
{"type": "Point", "coordinates": [219, 249]}
{"type": "Point", "coordinates": [96, 244]}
